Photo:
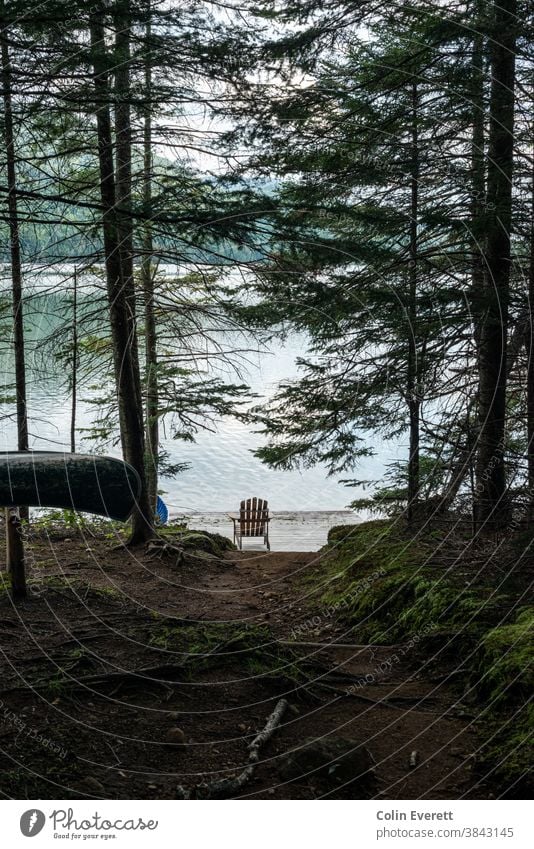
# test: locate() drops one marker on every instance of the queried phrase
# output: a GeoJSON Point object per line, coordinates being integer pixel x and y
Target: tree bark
{"type": "Point", "coordinates": [151, 357]}
{"type": "Point", "coordinates": [122, 320]}
{"type": "Point", "coordinates": [490, 500]}
{"type": "Point", "coordinates": [414, 366]}
{"type": "Point", "coordinates": [530, 355]}
{"type": "Point", "coordinates": [478, 183]}
{"type": "Point", "coordinates": [74, 371]}
{"type": "Point", "coordinates": [123, 150]}
{"type": "Point", "coordinates": [465, 447]}
{"type": "Point", "coordinates": [16, 263]}
{"type": "Point", "coordinates": [15, 554]}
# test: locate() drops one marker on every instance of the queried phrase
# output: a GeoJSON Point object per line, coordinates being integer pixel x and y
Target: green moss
{"type": "Point", "coordinates": [199, 541]}
{"type": "Point", "coordinates": [505, 662]}
{"type": "Point", "coordinates": [199, 640]}
{"type": "Point", "coordinates": [388, 587]}
{"type": "Point", "coordinates": [503, 678]}
{"type": "Point", "coordinates": [359, 548]}
{"type": "Point", "coordinates": [384, 586]}
{"type": "Point", "coordinates": [251, 647]}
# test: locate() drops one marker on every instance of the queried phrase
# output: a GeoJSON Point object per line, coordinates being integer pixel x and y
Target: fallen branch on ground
{"type": "Point", "coordinates": [226, 788]}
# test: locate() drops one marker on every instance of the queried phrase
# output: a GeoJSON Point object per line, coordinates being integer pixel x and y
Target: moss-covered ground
{"type": "Point", "coordinates": [466, 606]}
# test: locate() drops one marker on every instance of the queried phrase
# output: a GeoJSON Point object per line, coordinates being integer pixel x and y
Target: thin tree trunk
{"type": "Point", "coordinates": [478, 183]}
{"type": "Point", "coordinates": [74, 372]}
{"type": "Point", "coordinates": [151, 378]}
{"type": "Point", "coordinates": [127, 377]}
{"type": "Point", "coordinates": [530, 354]}
{"type": "Point", "coordinates": [490, 506]}
{"type": "Point", "coordinates": [123, 151]}
{"type": "Point", "coordinates": [16, 264]}
{"type": "Point", "coordinates": [414, 396]}
{"type": "Point", "coordinates": [15, 554]}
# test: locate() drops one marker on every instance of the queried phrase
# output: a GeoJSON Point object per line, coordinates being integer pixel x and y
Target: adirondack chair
{"type": "Point", "coordinates": [253, 521]}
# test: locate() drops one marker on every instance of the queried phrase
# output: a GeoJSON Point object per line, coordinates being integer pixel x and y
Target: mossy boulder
{"type": "Point", "coordinates": [504, 671]}
{"type": "Point", "coordinates": [191, 541]}
{"type": "Point", "coordinates": [355, 532]}
{"type": "Point", "coordinates": [386, 585]}
{"type": "Point", "coordinates": [210, 543]}
{"type": "Point", "coordinates": [340, 533]}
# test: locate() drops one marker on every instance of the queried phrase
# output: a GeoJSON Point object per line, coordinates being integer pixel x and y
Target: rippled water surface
{"type": "Point", "coordinates": [222, 468]}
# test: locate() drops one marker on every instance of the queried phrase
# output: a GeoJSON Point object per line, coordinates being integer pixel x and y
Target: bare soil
{"type": "Point", "coordinates": [80, 718]}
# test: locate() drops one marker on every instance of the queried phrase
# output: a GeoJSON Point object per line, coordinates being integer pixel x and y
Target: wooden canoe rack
{"type": "Point", "coordinates": [89, 483]}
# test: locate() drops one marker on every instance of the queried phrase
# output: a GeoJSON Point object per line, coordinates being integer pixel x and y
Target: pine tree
{"type": "Point", "coordinates": [491, 477]}
{"type": "Point", "coordinates": [373, 229]}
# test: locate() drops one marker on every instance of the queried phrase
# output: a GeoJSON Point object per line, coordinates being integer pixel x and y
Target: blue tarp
{"type": "Point", "coordinates": [162, 511]}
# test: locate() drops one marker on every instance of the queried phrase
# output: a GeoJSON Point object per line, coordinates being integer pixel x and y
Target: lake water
{"type": "Point", "coordinates": [222, 469]}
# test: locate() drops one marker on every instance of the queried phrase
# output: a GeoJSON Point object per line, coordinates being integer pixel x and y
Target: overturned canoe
{"type": "Point", "coordinates": [93, 484]}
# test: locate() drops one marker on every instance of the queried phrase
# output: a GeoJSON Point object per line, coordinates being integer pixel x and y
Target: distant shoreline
{"type": "Point", "coordinates": [290, 530]}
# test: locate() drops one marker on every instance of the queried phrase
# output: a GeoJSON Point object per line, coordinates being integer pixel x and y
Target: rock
{"type": "Point", "coordinates": [175, 737]}
{"type": "Point", "coordinates": [210, 543]}
{"type": "Point", "coordinates": [334, 762]}
{"type": "Point", "coordinates": [93, 786]}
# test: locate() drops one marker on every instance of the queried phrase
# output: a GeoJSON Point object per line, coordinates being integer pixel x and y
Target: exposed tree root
{"type": "Point", "coordinates": [404, 703]}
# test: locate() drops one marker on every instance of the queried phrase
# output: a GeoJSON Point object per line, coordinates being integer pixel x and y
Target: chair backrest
{"type": "Point", "coordinates": [253, 514]}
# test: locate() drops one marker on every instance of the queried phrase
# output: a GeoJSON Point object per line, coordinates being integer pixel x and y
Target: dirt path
{"type": "Point", "coordinates": [128, 611]}
{"type": "Point", "coordinates": [420, 715]}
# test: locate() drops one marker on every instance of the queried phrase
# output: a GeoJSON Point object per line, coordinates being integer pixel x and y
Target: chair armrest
{"type": "Point", "coordinates": [238, 518]}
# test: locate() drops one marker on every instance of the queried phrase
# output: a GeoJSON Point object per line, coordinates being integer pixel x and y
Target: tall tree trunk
{"type": "Point", "coordinates": [414, 365]}
{"type": "Point", "coordinates": [530, 353]}
{"type": "Point", "coordinates": [463, 452]}
{"type": "Point", "coordinates": [129, 394]}
{"type": "Point", "coordinates": [16, 265]}
{"type": "Point", "coordinates": [466, 443]}
{"type": "Point", "coordinates": [123, 150]}
{"type": "Point", "coordinates": [490, 502]}
{"type": "Point", "coordinates": [478, 181]}
{"type": "Point", "coordinates": [151, 377]}
{"type": "Point", "coordinates": [74, 372]}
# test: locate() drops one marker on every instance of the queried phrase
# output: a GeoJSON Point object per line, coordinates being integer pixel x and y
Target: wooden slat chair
{"type": "Point", "coordinates": [253, 521]}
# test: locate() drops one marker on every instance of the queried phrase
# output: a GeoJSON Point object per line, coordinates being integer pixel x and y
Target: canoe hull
{"type": "Point", "coordinates": [93, 484]}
